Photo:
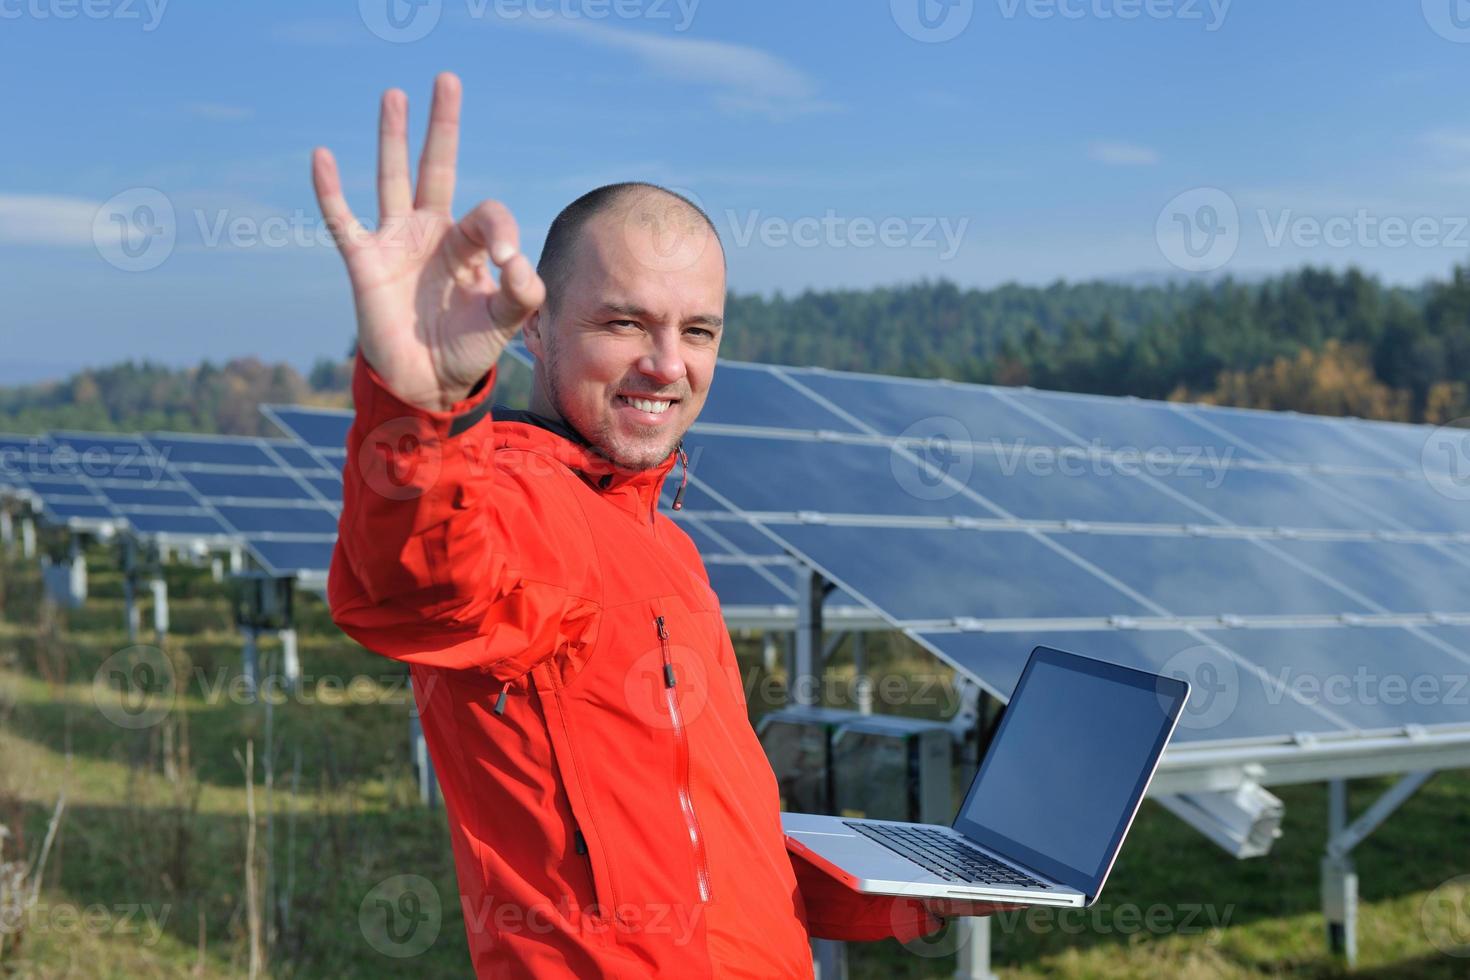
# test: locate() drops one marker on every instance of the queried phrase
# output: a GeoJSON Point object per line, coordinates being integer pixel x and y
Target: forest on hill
{"type": "Point", "coordinates": [1314, 340]}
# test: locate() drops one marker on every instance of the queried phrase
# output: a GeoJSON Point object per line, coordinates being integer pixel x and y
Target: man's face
{"type": "Point", "coordinates": [627, 354]}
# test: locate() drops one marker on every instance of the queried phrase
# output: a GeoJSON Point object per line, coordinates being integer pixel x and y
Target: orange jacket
{"type": "Point", "coordinates": [611, 809]}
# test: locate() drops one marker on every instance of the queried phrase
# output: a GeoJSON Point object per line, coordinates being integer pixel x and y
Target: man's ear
{"type": "Point", "coordinates": [532, 330]}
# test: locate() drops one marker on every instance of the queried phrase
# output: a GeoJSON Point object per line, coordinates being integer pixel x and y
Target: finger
{"type": "Point", "coordinates": [441, 146]}
{"type": "Point", "coordinates": [489, 229]}
{"type": "Point", "coordinates": [345, 228]}
{"type": "Point", "coordinates": [521, 292]}
{"type": "Point", "coordinates": [395, 191]}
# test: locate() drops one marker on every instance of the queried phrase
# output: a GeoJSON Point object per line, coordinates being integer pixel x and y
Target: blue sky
{"type": "Point", "coordinates": [834, 144]}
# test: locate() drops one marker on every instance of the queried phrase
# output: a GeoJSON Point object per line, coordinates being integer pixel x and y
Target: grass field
{"type": "Point", "coordinates": [147, 872]}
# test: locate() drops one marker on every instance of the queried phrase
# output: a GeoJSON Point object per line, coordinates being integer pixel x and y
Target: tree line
{"type": "Point", "coordinates": [1313, 340]}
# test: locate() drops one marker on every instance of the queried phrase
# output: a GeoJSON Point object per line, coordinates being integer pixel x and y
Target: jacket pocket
{"type": "Point", "coordinates": [589, 846]}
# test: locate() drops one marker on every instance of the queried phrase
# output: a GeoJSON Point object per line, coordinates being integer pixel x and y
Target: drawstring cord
{"type": "Point", "coordinates": [684, 461]}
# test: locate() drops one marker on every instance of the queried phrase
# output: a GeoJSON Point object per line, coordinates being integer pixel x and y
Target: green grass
{"type": "Point", "coordinates": [147, 876]}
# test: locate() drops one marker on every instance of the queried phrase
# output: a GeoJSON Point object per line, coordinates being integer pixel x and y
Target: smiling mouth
{"type": "Point", "coordinates": [653, 406]}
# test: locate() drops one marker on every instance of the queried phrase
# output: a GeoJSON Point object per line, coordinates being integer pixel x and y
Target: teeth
{"type": "Point", "coordinates": [644, 404]}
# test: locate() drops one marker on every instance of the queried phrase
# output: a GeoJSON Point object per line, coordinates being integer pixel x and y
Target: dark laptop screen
{"type": "Point", "coordinates": [1069, 763]}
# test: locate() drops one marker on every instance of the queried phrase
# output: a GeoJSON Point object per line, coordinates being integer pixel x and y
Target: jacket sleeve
{"type": "Point", "coordinates": [449, 554]}
{"type": "Point", "coordinates": [834, 911]}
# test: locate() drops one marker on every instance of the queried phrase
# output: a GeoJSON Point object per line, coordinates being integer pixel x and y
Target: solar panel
{"type": "Point", "coordinates": [1291, 438]}
{"type": "Point", "coordinates": [216, 451]}
{"type": "Point", "coordinates": [927, 574]}
{"type": "Point", "coordinates": [1394, 576]}
{"type": "Point", "coordinates": [290, 558]}
{"type": "Point", "coordinates": [1233, 517]}
{"type": "Point", "coordinates": [319, 428]}
{"type": "Point", "coordinates": [1067, 485]}
{"type": "Point", "coordinates": [1230, 700]}
{"type": "Point", "coordinates": [924, 409]}
{"type": "Point", "coordinates": [1144, 428]}
{"type": "Point", "coordinates": [778, 475]}
{"type": "Point", "coordinates": [755, 395]}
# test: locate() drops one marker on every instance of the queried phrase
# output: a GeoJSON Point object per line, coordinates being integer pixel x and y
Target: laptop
{"type": "Point", "coordinates": [1048, 809]}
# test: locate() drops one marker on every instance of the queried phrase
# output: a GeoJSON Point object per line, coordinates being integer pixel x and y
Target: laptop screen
{"type": "Point", "coordinates": [1069, 763]}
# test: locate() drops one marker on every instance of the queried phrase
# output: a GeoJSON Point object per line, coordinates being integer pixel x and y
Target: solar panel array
{"type": "Point", "coordinates": [1304, 572]}
{"type": "Point", "coordinates": [1310, 575]}
{"type": "Point", "coordinates": [270, 496]}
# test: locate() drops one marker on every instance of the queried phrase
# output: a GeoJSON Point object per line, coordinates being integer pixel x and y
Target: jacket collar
{"type": "Point", "coordinates": [636, 490]}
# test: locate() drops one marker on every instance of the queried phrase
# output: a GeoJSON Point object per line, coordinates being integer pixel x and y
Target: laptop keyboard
{"type": "Point", "coordinates": [945, 856]}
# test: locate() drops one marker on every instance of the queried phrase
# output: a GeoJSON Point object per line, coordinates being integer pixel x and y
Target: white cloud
{"type": "Point", "coordinates": [1118, 154]}
{"type": "Point", "coordinates": [1449, 142]}
{"type": "Point", "coordinates": [744, 80]}
{"type": "Point", "coordinates": [44, 219]}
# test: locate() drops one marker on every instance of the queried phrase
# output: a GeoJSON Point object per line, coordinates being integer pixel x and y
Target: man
{"type": "Point", "coordinates": [611, 810]}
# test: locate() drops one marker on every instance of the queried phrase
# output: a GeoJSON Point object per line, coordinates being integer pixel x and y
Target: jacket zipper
{"type": "Point", "coordinates": [681, 742]}
{"type": "Point", "coordinates": [580, 843]}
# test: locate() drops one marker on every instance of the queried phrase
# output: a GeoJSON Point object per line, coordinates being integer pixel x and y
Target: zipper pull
{"type": "Point", "coordinates": [500, 701]}
{"type": "Point", "coordinates": [684, 461]}
{"type": "Point", "coordinates": [579, 841]}
{"type": "Point", "coordinates": [663, 636]}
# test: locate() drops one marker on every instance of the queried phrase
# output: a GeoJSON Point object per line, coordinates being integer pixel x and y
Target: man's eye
{"type": "Point", "coordinates": [705, 334]}
{"type": "Point", "coordinates": [623, 323]}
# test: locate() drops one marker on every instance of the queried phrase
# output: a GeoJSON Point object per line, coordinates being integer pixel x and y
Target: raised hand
{"type": "Point", "coordinates": [431, 319]}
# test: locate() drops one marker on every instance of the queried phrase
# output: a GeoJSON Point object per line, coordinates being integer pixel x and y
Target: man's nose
{"type": "Point", "coordinates": [663, 362]}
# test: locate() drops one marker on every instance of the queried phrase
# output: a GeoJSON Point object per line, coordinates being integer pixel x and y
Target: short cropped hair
{"type": "Point", "coordinates": [555, 264]}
